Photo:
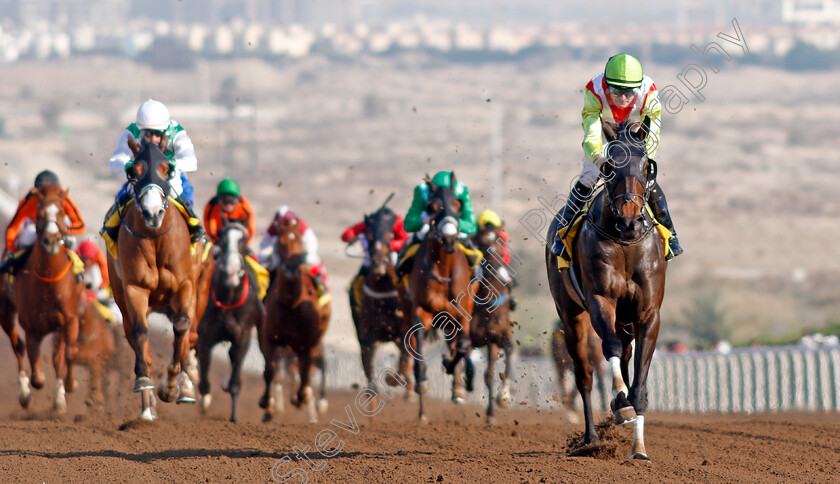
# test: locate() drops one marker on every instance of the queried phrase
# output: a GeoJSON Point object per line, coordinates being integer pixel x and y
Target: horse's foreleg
{"type": "Point", "coordinates": [59, 347]}
{"type": "Point", "coordinates": [321, 364]}
{"type": "Point", "coordinates": [237, 351]}
{"type": "Point", "coordinates": [505, 396]}
{"type": "Point", "coordinates": [33, 351]}
{"type": "Point", "coordinates": [178, 383]}
{"type": "Point", "coordinates": [304, 393]}
{"type": "Point", "coordinates": [270, 354]}
{"type": "Point", "coordinates": [576, 342]}
{"type": "Point", "coordinates": [602, 315]}
{"type": "Point", "coordinates": [204, 352]}
{"type": "Point", "coordinates": [492, 359]}
{"type": "Point", "coordinates": [70, 334]}
{"type": "Point", "coordinates": [136, 329]}
{"type": "Point", "coordinates": [646, 336]}
{"type": "Point", "coordinates": [368, 351]}
{"type": "Point", "coordinates": [404, 369]}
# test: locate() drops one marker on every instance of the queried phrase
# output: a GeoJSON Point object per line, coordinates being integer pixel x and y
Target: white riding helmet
{"type": "Point", "coordinates": [153, 115]}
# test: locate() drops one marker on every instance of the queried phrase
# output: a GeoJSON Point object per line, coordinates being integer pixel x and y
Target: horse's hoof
{"type": "Point", "coordinates": [491, 420]}
{"type": "Point", "coordinates": [623, 410]}
{"type": "Point", "coordinates": [448, 365]}
{"type": "Point", "coordinates": [421, 388]}
{"type": "Point", "coordinates": [323, 405]}
{"type": "Point", "coordinates": [263, 403]}
{"type": "Point", "coordinates": [205, 403]}
{"type": "Point", "coordinates": [167, 394]}
{"type": "Point", "coordinates": [25, 400]}
{"type": "Point", "coordinates": [458, 400]}
{"type": "Point", "coordinates": [266, 417]}
{"type": "Point", "coordinates": [503, 401]}
{"type": "Point", "coordinates": [143, 383]}
{"type": "Point", "coordinates": [572, 418]}
{"type": "Point", "coordinates": [424, 420]}
{"type": "Point", "coordinates": [71, 385]}
{"type": "Point", "coordinates": [225, 386]}
{"type": "Point", "coordinates": [640, 456]}
{"type": "Point", "coordinates": [38, 382]}
{"type": "Point", "coordinates": [186, 390]}
{"type": "Point", "coordinates": [146, 415]}
{"type": "Point", "coordinates": [391, 381]}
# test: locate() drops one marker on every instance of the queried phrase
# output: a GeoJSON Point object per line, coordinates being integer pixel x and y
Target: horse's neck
{"type": "Point", "coordinates": [291, 290]}
{"type": "Point", "coordinates": [383, 282]}
{"type": "Point", "coordinates": [225, 294]}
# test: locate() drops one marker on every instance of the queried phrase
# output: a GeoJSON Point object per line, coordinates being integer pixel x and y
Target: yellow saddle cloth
{"type": "Point", "coordinates": [473, 256]}
{"type": "Point", "coordinates": [114, 222]}
{"type": "Point", "coordinates": [577, 223]}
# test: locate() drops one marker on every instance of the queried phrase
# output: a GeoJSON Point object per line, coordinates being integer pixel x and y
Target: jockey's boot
{"type": "Point", "coordinates": [659, 207]}
{"type": "Point", "coordinates": [193, 222]}
{"type": "Point", "coordinates": [111, 224]}
{"type": "Point", "coordinates": [405, 260]}
{"type": "Point", "coordinates": [577, 199]}
{"type": "Point", "coordinates": [513, 302]}
{"type": "Point", "coordinates": [14, 261]}
{"type": "Point", "coordinates": [473, 256]}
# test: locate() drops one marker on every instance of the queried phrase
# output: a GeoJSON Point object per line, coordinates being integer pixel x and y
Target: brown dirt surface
{"type": "Point", "coordinates": [456, 446]}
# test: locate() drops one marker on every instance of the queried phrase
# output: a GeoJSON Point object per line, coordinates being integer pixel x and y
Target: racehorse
{"type": "Point", "coordinates": [439, 280]}
{"type": "Point", "coordinates": [8, 316]}
{"type": "Point", "coordinates": [97, 345]}
{"type": "Point", "coordinates": [565, 368]}
{"type": "Point", "coordinates": [294, 318]}
{"type": "Point", "coordinates": [616, 282]}
{"type": "Point", "coordinates": [234, 309]}
{"type": "Point", "coordinates": [48, 298]}
{"type": "Point", "coordinates": [156, 269]}
{"type": "Point", "coordinates": [491, 326]}
{"type": "Point", "coordinates": [374, 299]}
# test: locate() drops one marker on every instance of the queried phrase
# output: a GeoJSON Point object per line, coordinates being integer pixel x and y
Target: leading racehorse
{"type": "Point", "coordinates": [48, 298]}
{"type": "Point", "coordinates": [440, 279]}
{"type": "Point", "coordinates": [156, 269]}
{"type": "Point", "coordinates": [616, 281]}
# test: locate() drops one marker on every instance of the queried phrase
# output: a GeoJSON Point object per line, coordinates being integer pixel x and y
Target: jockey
{"type": "Point", "coordinates": [269, 258]}
{"type": "Point", "coordinates": [153, 125]}
{"type": "Point", "coordinates": [96, 277]}
{"type": "Point", "coordinates": [489, 218]}
{"type": "Point", "coordinates": [619, 93]}
{"type": "Point", "coordinates": [20, 234]}
{"type": "Point", "coordinates": [229, 205]}
{"type": "Point", "coordinates": [400, 236]}
{"type": "Point", "coordinates": [417, 221]}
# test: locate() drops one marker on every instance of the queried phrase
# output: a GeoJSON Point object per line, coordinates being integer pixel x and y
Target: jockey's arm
{"type": "Point", "coordinates": [27, 208]}
{"type": "Point", "coordinates": [185, 159]}
{"type": "Point", "coordinates": [467, 224]}
{"type": "Point", "coordinates": [77, 225]}
{"type": "Point", "coordinates": [122, 154]}
{"type": "Point", "coordinates": [351, 232]}
{"type": "Point", "coordinates": [310, 245]}
{"type": "Point", "coordinates": [400, 235]}
{"type": "Point", "coordinates": [414, 217]}
{"type": "Point", "coordinates": [250, 223]}
{"type": "Point", "coordinates": [266, 248]}
{"type": "Point", "coordinates": [653, 110]}
{"type": "Point", "coordinates": [592, 142]}
{"type": "Point", "coordinates": [211, 220]}
{"type": "Point", "coordinates": [103, 269]}
{"type": "Point", "coordinates": [505, 253]}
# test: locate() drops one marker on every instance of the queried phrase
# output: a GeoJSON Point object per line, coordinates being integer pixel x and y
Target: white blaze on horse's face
{"type": "Point", "coordinates": [52, 220]}
{"type": "Point", "coordinates": [233, 262]}
{"type": "Point", "coordinates": [51, 241]}
{"type": "Point", "coordinates": [152, 206]}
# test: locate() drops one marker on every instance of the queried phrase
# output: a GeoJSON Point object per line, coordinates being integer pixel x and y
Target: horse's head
{"type": "Point", "coordinates": [629, 176]}
{"type": "Point", "coordinates": [486, 237]}
{"type": "Point", "coordinates": [444, 210]}
{"type": "Point", "coordinates": [49, 223]}
{"type": "Point", "coordinates": [379, 232]}
{"type": "Point", "coordinates": [149, 175]}
{"type": "Point", "coordinates": [233, 243]}
{"type": "Point", "coordinates": [289, 244]}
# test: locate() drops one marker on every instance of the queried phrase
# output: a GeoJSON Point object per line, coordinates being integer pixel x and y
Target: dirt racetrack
{"type": "Point", "coordinates": [456, 446]}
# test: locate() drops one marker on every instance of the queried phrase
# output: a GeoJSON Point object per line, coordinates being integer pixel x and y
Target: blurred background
{"type": "Point", "coordinates": [331, 105]}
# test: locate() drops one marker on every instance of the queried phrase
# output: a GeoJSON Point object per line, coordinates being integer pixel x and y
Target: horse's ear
{"type": "Point", "coordinates": [652, 170]}
{"type": "Point", "coordinates": [452, 179]}
{"type": "Point", "coordinates": [609, 131]}
{"type": "Point", "coordinates": [428, 181]}
{"type": "Point", "coordinates": [132, 145]}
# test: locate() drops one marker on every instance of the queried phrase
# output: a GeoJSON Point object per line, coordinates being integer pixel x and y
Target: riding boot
{"type": "Point", "coordinates": [193, 223]}
{"type": "Point", "coordinates": [577, 199]}
{"type": "Point", "coordinates": [111, 224]}
{"type": "Point", "coordinates": [659, 207]}
{"type": "Point", "coordinates": [513, 302]}
{"type": "Point", "coordinates": [405, 261]}
{"type": "Point", "coordinates": [14, 261]}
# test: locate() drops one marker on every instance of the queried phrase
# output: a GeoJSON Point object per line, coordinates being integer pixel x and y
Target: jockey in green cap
{"type": "Point", "coordinates": [622, 92]}
{"type": "Point", "coordinates": [417, 222]}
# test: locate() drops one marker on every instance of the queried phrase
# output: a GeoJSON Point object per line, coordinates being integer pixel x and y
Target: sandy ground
{"type": "Point", "coordinates": [455, 446]}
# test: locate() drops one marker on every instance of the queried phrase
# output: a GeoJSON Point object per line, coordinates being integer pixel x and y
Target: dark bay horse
{"type": "Point", "coordinates": [440, 279]}
{"type": "Point", "coordinates": [294, 319]}
{"type": "Point", "coordinates": [566, 367]}
{"type": "Point", "coordinates": [233, 311]}
{"type": "Point", "coordinates": [157, 270]}
{"type": "Point", "coordinates": [374, 298]}
{"type": "Point", "coordinates": [491, 326]}
{"type": "Point", "coordinates": [8, 319]}
{"type": "Point", "coordinates": [48, 297]}
{"type": "Point", "coordinates": [616, 282]}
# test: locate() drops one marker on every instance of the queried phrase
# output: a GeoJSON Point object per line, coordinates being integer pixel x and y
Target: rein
{"type": "Point", "coordinates": [141, 236]}
{"type": "Point", "coordinates": [56, 278]}
{"type": "Point", "coordinates": [241, 301]}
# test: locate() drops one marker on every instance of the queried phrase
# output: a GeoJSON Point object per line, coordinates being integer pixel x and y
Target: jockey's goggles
{"type": "Point", "coordinates": [622, 91]}
{"type": "Point", "coordinates": [148, 133]}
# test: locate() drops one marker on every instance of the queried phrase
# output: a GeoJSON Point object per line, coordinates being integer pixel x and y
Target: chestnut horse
{"type": "Point", "coordinates": [616, 282]}
{"type": "Point", "coordinates": [374, 299]}
{"type": "Point", "coordinates": [491, 326]}
{"type": "Point", "coordinates": [157, 270]}
{"type": "Point", "coordinates": [48, 297]}
{"type": "Point", "coordinates": [294, 318]}
{"type": "Point", "coordinates": [439, 280]}
{"type": "Point", "coordinates": [233, 311]}
{"type": "Point", "coordinates": [97, 345]}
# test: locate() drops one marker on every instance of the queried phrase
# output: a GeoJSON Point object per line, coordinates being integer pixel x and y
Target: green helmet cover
{"type": "Point", "coordinates": [623, 70]}
{"type": "Point", "coordinates": [228, 186]}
